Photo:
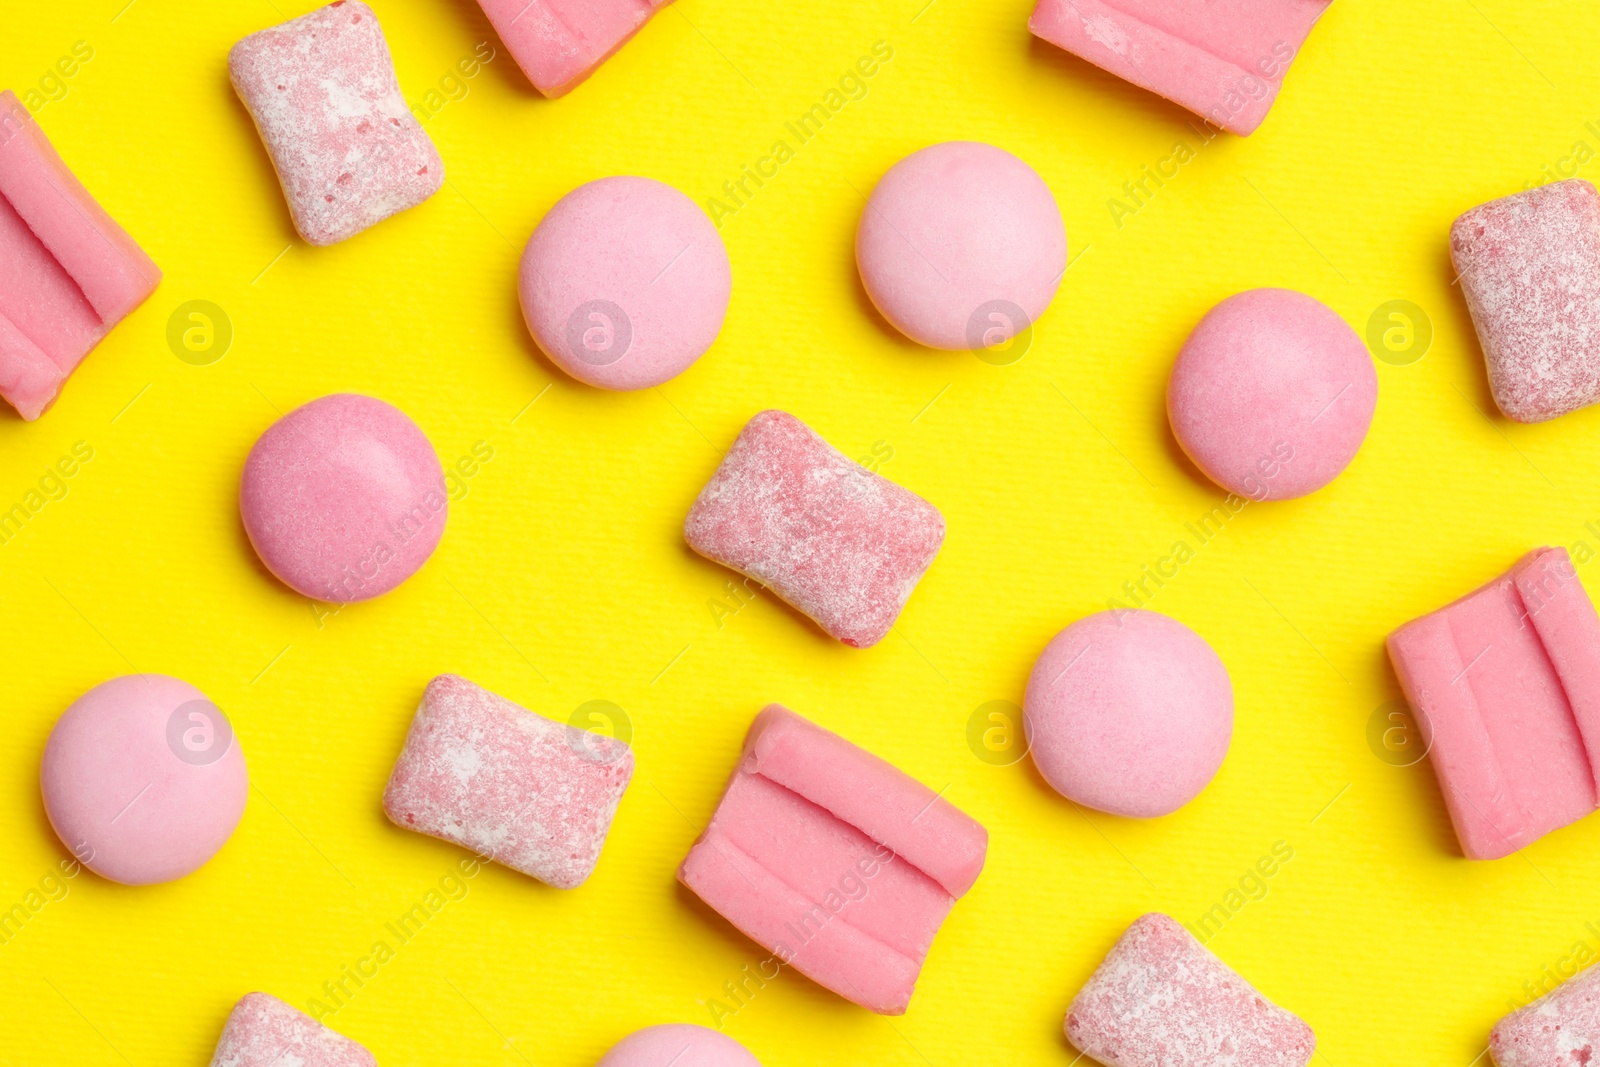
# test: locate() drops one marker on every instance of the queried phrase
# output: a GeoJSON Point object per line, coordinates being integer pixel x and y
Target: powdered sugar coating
{"type": "Point", "coordinates": [263, 1031]}
{"type": "Point", "coordinates": [1530, 269]}
{"type": "Point", "coordinates": [840, 543]}
{"type": "Point", "coordinates": [1162, 999]}
{"type": "Point", "coordinates": [487, 774]}
{"type": "Point", "coordinates": [559, 43]}
{"type": "Point", "coordinates": [323, 93]}
{"type": "Point", "coordinates": [1560, 1029]}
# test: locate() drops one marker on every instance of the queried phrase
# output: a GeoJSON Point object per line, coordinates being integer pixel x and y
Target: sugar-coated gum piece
{"type": "Point", "coordinates": [1162, 999]}
{"type": "Point", "coordinates": [678, 1045]}
{"type": "Point", "coordinates": [624, 283]}
{"type": "Point", "coordinates": [343, 498]}
{"type": "Point", "coordinates": [559, 43]}
{"type": "Point", "coordinates": [1560, 1029]}
{"type": "Point", "coordinates": [836, 541]}
{"type": "Point", "coordinates": [143, 779]}
{"type": "Point", "coordinates": [1129, 712]}
{"type": "Point", "coordinates": [1505, 683]}
{"type": "Point", "coordinates": [535, 795]}
{"type": "Point", "coordinates": [1224, 60]}
{"type": "Point", "coordinates": [263, 1031]}
{"type": "Point", "coordinates": [1529, 266]}
{"type": "Point", "coordinates": [68, 272]}
{"type": "Point", "coordinates": [323, 93]}
{"type": "Point", "coordinates": [961, 246]}
{"type": "Point", "coordinates": [834, 860]}
{"type": "Point", "coordinates": [1272, 394]}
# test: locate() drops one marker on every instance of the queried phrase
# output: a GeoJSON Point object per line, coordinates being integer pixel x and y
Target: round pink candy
{"type": "Point", "coordinates": [624, 283]}
{"type": "Point", "coordinates": [677, 1045]}
{"type": "Point", "coordinates": [143, 779]}
{"type": "Point", "coordinates": [958, 240]}
{"type": "Point", "coordinates": [1272, 394]}
{"type": "Point", "coordinates": [343, 498]}
{"type": "Point", "coordinates": [1129, 712]}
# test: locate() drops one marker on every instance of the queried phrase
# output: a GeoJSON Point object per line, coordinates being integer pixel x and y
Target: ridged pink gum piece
{"type": "Point", "coordinates": [1224, 60]}
{"type": "Point", "coordinates": [1529, 266]}
{"type": "Point", "coordinates": [515, 787]}
{"type": "Point", "coordinates": [68, 272]}
{"type": "Point", "coordinates": [1162, 999]}
{"type": "Point", "coordinates": [1506, 686]}
{"type": "Point", "coordinates": [323, 93]}
{"type": "Point", "coordinates": [263, 1031]}
{"type": "Point", "coordinates": [840, 864]}
{"type": "Point", "coordinates": [836, 541]}
{"type": "Point", "coordinates": [1560, 1029]}
{"type": "Point", "coordinates": [559, 43]}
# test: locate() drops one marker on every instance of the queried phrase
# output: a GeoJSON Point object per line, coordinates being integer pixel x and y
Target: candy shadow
{"type": "Point", "coordinates": [280, 211]}
{"type": "Point", "coordinates": [1484, 395]}
{"type": "Point", "coordinates": [505, 68]}
{"type": "Point", "coordinates": [804, 622]}
{"type": "Point", "coordinates": [1114, 92]}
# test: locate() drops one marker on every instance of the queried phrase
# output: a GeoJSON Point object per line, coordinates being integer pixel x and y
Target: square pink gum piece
{"type": "Point", "coordinates": [1162, 999]}
{"type": "Point", "coordinates": [1529, 266]}
{"type": "Point", "coordinates": [263, 1031]}
{"type": "Point", "coordinates": [837, 862]}
{"type": "Point", "coordinates": [68, 272]}
{"type": "Point", "coordinates": [1560, 1029]}
{"type": "Point", "coordinates": [1224, 60]}
{"type": "Point", "coordinates": [515, 787]}
{"type": "Point", "coordinates": [1505, 683]}
{"type": "Point", "coordinates": [837, 542]}
{"type": "Point", "coordinates": [559, 43]}
{"type": "Point", "coordinates": [322, 91]}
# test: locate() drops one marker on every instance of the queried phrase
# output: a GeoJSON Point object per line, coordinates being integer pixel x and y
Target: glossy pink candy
{"type": "Point", "coordinates": [837, 862]}
{"type": "Point", "coordinates": [1506, 686]}
{"type": "Point", "coordinates": [677, 1045]}
{"type": "Point", "coordinates": [515, 787]}
{"type": "Point", "coordinates": [559, 43]}
{"type": "Point", "coordinates": [1225, 60]}
{"type": "Point", "coordinates": [323, 94]}
{"type": "Point", "coordinates": [343, 498]}
{"type": "Point", "coordinates": [143, 779]}
{"type": "Point", "coordinates": [263, 1031]}
{"type": "Point", "coordinates": [838, 542]}
{"type": "Point", "coordinates": [1530, 269]}
{"type": "Point", "coordinates": [68, 272]}
{"type": "Point", "coordinates": [1162, 999]}
{"type": "Point", "coordinates": [1560, 1029]}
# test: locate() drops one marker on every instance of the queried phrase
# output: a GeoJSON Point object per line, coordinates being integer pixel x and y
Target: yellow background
{"type": "Point", "coordinates": [563, 578]}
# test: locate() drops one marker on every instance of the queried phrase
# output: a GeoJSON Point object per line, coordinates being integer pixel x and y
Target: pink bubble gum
{"type": "Point", "coordinates": [840, 864]}
{"type": "Point", "coordinates": [559, 43]}
{"type": "Point", "coordinates": [1162, 999]}
{"type": "Point", "coordinates": [677, 1045]}
{"type": "Point", "coordinates": [263, 1031]}
{"type": "Point", "coordinates": [323, 93]}
{"type": "Point", "coordinates": [1225, 60]}
{"type": "Point", "coordinates": [68, 272]}
{"type": "Point", "coordinates": [834, 540]}
{"type": "Point", "coordinates": [1506, 686]}
{"type": "Point", "coordinates": [1560, 1029]}
{"type": "Point", "coordinates": [1530, 270]}
{"type": "Point", "coordinates": [515, 787]}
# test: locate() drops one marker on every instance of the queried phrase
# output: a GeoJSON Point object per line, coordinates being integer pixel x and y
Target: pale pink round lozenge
{"type": "Point", "coordinates": [1130, 712]}
{"type": "Point", "coordinates": [343, 498]}
{"type": "Point", "coordinates": [1272, 394]}
{"type": "Point", "coordinates": [961, 245]}
{"type": "Point", "coordinates": [677, 1045]}
{"type": "Point", "coordinates": [624, 283]}
{"type": "Point", "coordinates": [143, 779]}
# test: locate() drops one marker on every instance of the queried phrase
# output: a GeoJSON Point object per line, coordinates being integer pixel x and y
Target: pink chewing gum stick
{"type": "Point", "coordinates": [68, 272]}
{"type": "Point", "coordinates": [559, 43]}
{"type": "Point", "coordinates": [837, 862]}
{"type": "Point", "coordinates": [1225, 60]}
{"type": "Point", "coordinates": [1506, 686]}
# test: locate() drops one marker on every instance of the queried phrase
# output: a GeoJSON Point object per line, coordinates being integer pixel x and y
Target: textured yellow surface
{"type": "Point", "coordinates": [563, 579]}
